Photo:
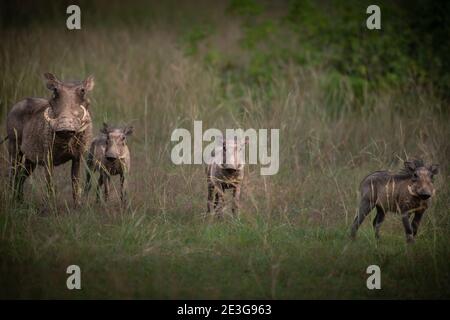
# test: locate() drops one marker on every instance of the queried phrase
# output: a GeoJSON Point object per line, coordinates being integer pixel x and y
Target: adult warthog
{"type": "Point", "coordinates": [407, 192]}
{"type": "Point", "coordinates": [50, 132]}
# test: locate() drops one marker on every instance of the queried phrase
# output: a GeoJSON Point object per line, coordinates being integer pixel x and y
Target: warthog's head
{"type": "Point", "coordinates": [421, 178]}
{"type": "Point", "coordinates": [233, 158]}
{"type": "Point", "coordinates": [116, 141]}
{"type": "Point", "coordinates": [68, 112]}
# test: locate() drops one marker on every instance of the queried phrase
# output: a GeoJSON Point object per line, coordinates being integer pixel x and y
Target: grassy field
{"type": "Point", "coordinates": [291, 239]}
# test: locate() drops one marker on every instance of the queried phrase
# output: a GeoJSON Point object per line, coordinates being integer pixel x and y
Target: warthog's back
{"type": "Point", "coordinates": [375, 178]}
{"type": "Point", "coordinates": [22, 113]}
{"type": "Point", "coordinates": [375, 184]}
{"type": "Point", "coordinates": [388, 190]}
{"type": "Point", "coordinates": [27, 128]}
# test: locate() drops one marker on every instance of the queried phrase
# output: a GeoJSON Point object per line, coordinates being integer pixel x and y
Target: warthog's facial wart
{"type": "Point", "coordinates": [67, 126]}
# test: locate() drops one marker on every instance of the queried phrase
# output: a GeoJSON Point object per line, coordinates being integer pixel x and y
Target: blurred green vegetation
{"type": "Point", "coordinates": [411, 49]}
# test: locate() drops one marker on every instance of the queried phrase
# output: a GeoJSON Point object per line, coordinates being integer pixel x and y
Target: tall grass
{"type": "Point", "coordinates": [291, 238]}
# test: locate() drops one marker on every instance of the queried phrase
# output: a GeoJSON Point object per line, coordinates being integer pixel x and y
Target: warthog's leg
{"type": "Point", "coordinates": [378, 220]}
{"type": "Point", "coordinates": [88, 185]}
{"type": "Point", "coordinates": [219, 201]}
{"type": "Point", "coordinates": [364, 208]}
{"type": "Point", "coordinates": [22, 174]}
{"type": "Point", "coordinates": [106, 180]}
{"type": "Point", "coordinates": [14, 173]}
{"type": "Point", "coordinates": [210, 197]}
{"type": "Point", "coordinates": [416, 221]}
{"type": "Point", "coordinates": [99, 185]}
{"type": "Point", "coordinates": [123, 188]}
{"type": "Point", "coordinates": [15, 160]}
{"type": "Point", "coordinates": [236, 198]}
{"type": "Point", "coordinates": [407, 226]}
{"type": "Point", "coordinates": [75, 176]}
{"type": "Point", "coordinates": [48, 168]}
{"type": "Point", "coordinates": [89, 170]}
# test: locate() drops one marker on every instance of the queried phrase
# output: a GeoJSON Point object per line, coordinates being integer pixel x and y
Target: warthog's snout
{"type": "Point", "coordinates": [231, 169]}
{"type": "Point", "coordinates": [111, 157]}
{"type": "Point", "coordinates": [112, 154]}
{"type": "Point", "coordinates": [67, 124]}
{"type": "Point", "coordinates": [424, 195]}
{"type": "Point", "coordinates": [65, 133]}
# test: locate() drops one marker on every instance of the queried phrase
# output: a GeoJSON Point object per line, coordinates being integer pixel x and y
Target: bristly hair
{"type": "Point", "coordinates": [405, 172]}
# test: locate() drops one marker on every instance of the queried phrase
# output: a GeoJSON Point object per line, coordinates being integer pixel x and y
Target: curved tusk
{"type": "Point", "coordinates": [410, 191]}
{"type": "Point", "coordinates": [47, 117]}
{"type": "Point", "coordinates": [85, 113]}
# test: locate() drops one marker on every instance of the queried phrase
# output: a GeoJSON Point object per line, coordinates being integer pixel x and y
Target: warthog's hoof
{"type": "Point", "coordinates": [77, 204]}
{"type": "Point", "coordinates": [410, 239]}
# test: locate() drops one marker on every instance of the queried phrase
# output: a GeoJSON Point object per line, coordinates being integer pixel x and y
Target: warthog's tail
{"type": "Point", "coordinates": [6, 138]}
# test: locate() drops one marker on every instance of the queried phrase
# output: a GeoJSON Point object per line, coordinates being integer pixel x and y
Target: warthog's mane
{"type": "Point", "coordinates": [407, 173]}
{"type": "Point", "coordinates": [71, 84]}
{"type": "Point", "coordinates": [114, 128]}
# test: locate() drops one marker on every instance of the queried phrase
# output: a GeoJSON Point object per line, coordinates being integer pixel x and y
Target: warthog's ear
{"type": "Point", "coordinates": [89, 83]}
{"type": "Point", "coordinates": [52, 81]}
{"type": "Point", "coordinates": [410, 166]}
{"type": "Point", "coordinates": [128, 130]}
{"type": "Point", "coordinates": [105, 128]}
{"type": "Point", "coordinates": [434, 168]}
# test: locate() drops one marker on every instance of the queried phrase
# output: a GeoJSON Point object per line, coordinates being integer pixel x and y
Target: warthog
{"type": "Point", "coordinates": [109, 154]}
{"type": "Point", "coordinates": [223, 175]}
{"type": "Point", "coordinates": [50, 132]}
{"type": "Point", "coordinates": [407, 192]}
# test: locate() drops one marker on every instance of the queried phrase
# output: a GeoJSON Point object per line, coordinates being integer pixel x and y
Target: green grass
{"type": "Point", "coordinates": [137, 255]}
{"type": "Point", "coordinates": [291, 240]}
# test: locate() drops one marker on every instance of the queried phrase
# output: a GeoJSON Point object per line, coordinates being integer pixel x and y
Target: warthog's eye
{"type": "Point", "coordinates": [415, 176]}
{"type": "Point", "coordinates": [82, 91]}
